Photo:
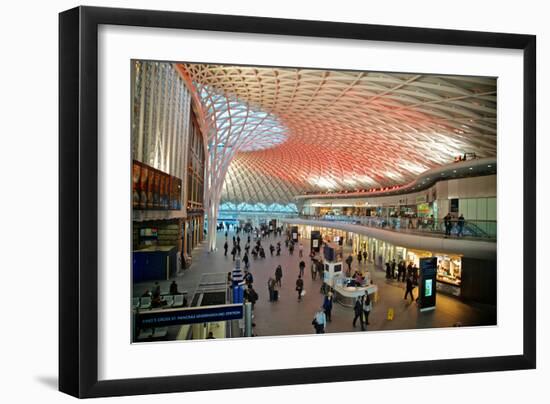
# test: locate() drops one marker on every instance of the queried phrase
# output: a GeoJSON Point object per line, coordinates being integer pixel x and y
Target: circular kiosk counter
{"type": "Point", "coordinates": [347, 295]}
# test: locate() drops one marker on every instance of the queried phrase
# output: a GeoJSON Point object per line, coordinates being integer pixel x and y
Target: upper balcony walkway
{"type": "Point", "coordinates": [476, 239]}
{"type": "Point", "coordinates": [468, 229]}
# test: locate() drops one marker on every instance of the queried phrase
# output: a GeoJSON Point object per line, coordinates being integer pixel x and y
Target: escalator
{"type": "Point", "coordinates": [212, 290]}
{"type": "Point", "coordinates": [473, 230]}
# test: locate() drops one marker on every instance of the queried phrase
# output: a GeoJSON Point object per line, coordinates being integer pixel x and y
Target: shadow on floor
{"type": "Point", "coordinates": [51, 382]}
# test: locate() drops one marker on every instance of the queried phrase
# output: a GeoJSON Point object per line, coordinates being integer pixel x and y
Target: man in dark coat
{"type": "Point", "coordinates": [349, 260]}
{"type": "Point", "coordinates": [409, 288]}
{"type": "Point", "coordinates": [299, 286]}
{"type": "Point", "coordinates": [302, 266]}
{"type": "Point", "coordinates": [358, 310]}
{"type": "Point", "coordinates": [278, 275]}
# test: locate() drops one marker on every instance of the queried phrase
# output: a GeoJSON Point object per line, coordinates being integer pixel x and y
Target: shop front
{"type": "Point", "coordinates": [424, 210]}
{"type": "Point", "coordinates": [449, 267]}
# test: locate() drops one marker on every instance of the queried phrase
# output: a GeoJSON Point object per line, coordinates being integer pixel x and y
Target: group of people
{"type": "Point", "coordinates": [362, 309]}
{"type": "Point", "coordinates": [274, 283]}
{"type": "Point", "coordinates": [156, 295]}
{"type": "Point", "coordinates": [401, 271]}
{"type": "Point", "coordinates": [448, 223]}
{"type": "Point", "coordinates": [258, 250]}
{"type": "Point", "coordinates": [324, 314]}
{"type": "Point", "coordinates": [361, 255]}
{"type": "Point", "coordinates": [407, 273]}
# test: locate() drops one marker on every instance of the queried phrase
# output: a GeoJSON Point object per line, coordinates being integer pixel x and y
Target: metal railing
{"type": "Point", "coordinates": [469, 229]}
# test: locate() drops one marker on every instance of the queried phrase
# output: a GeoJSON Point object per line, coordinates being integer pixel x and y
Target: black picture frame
{"type": "Point", "coordinates": [78, 200]}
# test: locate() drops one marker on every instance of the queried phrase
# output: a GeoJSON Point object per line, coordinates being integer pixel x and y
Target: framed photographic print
{"type": "Point", "coordinates": [250, 201]}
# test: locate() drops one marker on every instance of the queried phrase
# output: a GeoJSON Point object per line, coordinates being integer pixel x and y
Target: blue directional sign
{"type": "Point", "coordinates": [189, 315]}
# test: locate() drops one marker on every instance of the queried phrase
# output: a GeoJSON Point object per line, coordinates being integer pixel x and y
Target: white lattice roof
{"type": "Point", "coordinates": [279, 132]}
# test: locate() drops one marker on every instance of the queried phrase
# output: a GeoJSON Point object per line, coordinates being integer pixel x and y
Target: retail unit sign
{"type": "Point", "coordinates": [421, 198]}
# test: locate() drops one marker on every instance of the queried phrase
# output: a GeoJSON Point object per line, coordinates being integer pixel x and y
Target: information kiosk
{"type": "Point", "coordinates": [426, 293]}
{"type": "Point", "coordinates": [316, 240]}
{"type": "Point", "coordinates": [294, 233]}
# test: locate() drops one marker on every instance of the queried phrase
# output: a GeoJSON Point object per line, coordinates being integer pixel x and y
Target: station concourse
{"type": "Point", "coordinates": [377, 181]}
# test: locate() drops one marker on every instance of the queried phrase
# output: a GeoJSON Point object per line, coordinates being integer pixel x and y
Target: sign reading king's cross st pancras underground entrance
{"type": "Point", "coordinates": [191, 315]}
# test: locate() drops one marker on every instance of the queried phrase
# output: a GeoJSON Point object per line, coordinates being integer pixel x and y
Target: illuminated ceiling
{"type": "Point", "coordinates": [279, 132]}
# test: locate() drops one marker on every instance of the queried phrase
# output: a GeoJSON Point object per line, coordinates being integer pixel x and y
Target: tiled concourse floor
{"type": "Point", "coordinates": [288, 316]}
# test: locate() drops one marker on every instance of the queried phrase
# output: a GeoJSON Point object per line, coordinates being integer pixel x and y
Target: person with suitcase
{"type": "Point", "coordinates": [271, 288]}
{"type": "Point", "coordinates": [319, 321]}
{"type": "Point", "coordinates": [275, 292]}
{"type": "Point", "coordinates": [299, 287]}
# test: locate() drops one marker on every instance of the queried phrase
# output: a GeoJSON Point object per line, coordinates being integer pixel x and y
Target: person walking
{"type": "Point", "coordinates": [460, 226]}
{"type": "Point", "coordinates": [271, 249]}
{"type": "Point", "coordinates": [409, 289]}
{"type": "Point", "coordinates": [271, 288]}
{"type": "Point", "coordinates": [313, 270]}
{"type": "Point", "coordinates": [367, 307]}
{"type": "Point", "coordinates": [225, 247]}
{"type": "Point", "coordinates": [233, 252]}
{"type": "Point", "coordinates": [349, 260]}
{"type": "Point", "coordinates": [302, 266]}
{"type": "Point", "coordinates": [278, 275]}
{"type": "Point", "coordinates": [300, 250]}
{"type": "Point", "coordinates": [320, 270]}
{"type": "Point", "coordinates": [415, 275]}
{"type": "Point", "coordinates": [319, 321]}
{"type": "Point", "coordinates": [327, 306]}
{"type": "Point", "coordinates": [250, 295]}
{"type": "Point", "coordinates": [358, 310]}
{"type": "Point", "coordinates": [365, 256]}
{"type": "Point", "coordinates": [299, 287]}
{"type": "Point", "coordinates": [246, 260]}
{"type": "Point", "coordinates": [448, 224]}
{"type": "Point", "coordinates": [248, 278]}
{"type": "Point", "coordinates": [359, 257]}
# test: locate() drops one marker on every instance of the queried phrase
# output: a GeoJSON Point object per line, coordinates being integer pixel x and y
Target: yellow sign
{"type": "Point", "coordinates": [390, 313]}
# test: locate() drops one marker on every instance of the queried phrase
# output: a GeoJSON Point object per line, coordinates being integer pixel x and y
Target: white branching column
{"type": "Point", "coordinates": [231, 126]}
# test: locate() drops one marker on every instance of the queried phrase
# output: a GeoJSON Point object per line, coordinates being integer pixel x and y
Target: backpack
{"type": "Point", "coordinates": [253, 296]}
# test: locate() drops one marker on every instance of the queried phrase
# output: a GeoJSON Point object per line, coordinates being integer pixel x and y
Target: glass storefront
{"type": "Point", "coordinates": [449, 267]}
